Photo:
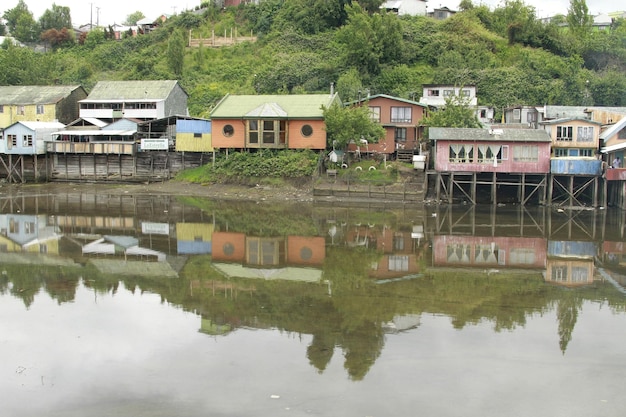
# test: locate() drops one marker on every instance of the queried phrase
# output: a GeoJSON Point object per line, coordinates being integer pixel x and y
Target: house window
{"type": "Point", "coordinates": [197, 135]}
{"type": "Point", "coordinates": [526, 153]}
{"type": "Point", "coordinates": [20, 110]}
{"type": "Point", "coordinates": [1, 108]}
{"type": "Point", "coordinates": [561, 152]}
{"type": "Point", "coordinates": [29, 228]}
{"type": "Point", "coordinates": [27, 141]}
{"type": "Point", "coordinates": [262, 251]}
{"type": "Point", "coordinates": [587, 152]}
{"type": "Point", "coordinates": [564, 133]}
{"type": "Point", "coordinates": [400, 115]}
{"type": "Point", "coordinates": [228, 130]}
{"type": "Point", "coordinates": [448, 93]}
{"type": "Point", "coordinates": [375, 114]}
{"type": "Point", "coordinates": [531, 117]}
{"type": "Point", "coordinates": [483, 114]}
{"type": "Point", "coordinates": [433, 93]}
{"type": "Point", "coordinates": [43, 248]}
{"type": "Point", "coordinates": [517, 115]}
{"type": "Point", "coordinates": [398, 263]}
{"type": "Point", "coordinates": [460, 153]}
{"type": "Point", "coordinates": [559, 274]}
{"type": "Point", "coordinates": [39, 108]}
{"type": "Point", "coordinates": [487, 153]}
{"type": "Point", "coordinates": [585, 134]}
{"type": "Point", "coordinates": [465, 93]}
{"type": "Point", "coordinates": [12, 141]}
{"type": "Point", "coordinates": [269, 132]}
{"type": "Point", "coordinates": [622, 134]}
{"type": "Point", "coordinates": [400, 134]}
{"type": "Point", "coordinates": [306, 131]}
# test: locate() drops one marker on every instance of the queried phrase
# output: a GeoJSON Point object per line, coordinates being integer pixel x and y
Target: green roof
{"type": "Point", "coordinates": [24, 95]}
{"type": "Point", "coordinates": [294, 106]}
{"type": "Point", "coordinates": [132, 90]}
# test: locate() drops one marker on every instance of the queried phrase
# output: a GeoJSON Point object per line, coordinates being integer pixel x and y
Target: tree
{"type": "Point", "coordinates": [176, 53]}
{"type": "Point", "coordinates": [578, 18]}
{"type": "Point", "coordinates": [20, 22]}
{"type": "Point", "coordinates": [133, 18]}
{"type": "Point", "coordinates": [456, 113]}
{"type": "Point", "coordinates": [345, 124]}
{"type": "Point", "coordinates": [466, 5]}
{"type": "Point", "coordinates": [57, 17]}
{"type": "Point", "coordinates": [57, 38]}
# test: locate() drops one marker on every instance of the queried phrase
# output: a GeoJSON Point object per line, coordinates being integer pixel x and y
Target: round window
{"type": "Point", "coordinates": [306, 131]}
{"type": "Point", "coordinates": [306, 254]}
{"type": "Point", "coordinates": [228, 249]}
{"type": "Point", "coordinates": [228, 130]}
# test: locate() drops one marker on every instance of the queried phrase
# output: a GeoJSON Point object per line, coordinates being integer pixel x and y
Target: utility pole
{"type": "Point", "coordinates": [91, 17]}
{"type": "Point", "coordinates": [97, 16]}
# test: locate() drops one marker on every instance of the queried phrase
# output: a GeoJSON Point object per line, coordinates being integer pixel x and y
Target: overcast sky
{"type": "Point", "coordinates": [108, 12]}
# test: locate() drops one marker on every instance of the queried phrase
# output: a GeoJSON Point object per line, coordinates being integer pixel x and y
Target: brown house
{"type": "Point", "coordinates": [401, 119]}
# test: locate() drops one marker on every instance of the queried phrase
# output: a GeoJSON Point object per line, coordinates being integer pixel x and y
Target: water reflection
{"type": "Point", "coordinates": [346, 279]}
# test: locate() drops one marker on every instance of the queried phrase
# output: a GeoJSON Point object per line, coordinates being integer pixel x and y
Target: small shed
{"type": "Point", "coordinates": [490, 150]}
{"type": "Point", "coordinates": [28, 138]}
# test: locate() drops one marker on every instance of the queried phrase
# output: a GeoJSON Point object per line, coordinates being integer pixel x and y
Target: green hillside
{"type": "Point", "coordinates": [305, 46]}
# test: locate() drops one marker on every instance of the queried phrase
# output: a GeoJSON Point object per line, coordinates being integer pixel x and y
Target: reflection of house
{"type": "Point", "coordinates": [294, 258]}
{"type": "Point", "coordinates": [570, 263]}
{"type": "Point", "coordinates": [194, 238]}
{"type": "Point", "coordinates": [121, 246]}
{"type": "Point", "coordinates": [401, 119]}
{"type": "Point", "coordinates": [489, 252]}
{"type": "Point", "coordinates": [271, 121]}
{"type": "Point", "coordinates": [27, 233]}
{"type": "Point", "coordinates": [614, 253]}
{"type": "Point", "coordinates": [39, 103]}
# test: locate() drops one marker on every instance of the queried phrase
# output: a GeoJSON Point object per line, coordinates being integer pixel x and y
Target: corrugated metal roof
{"type": "Point", "coordinates": [569, 119]}
{"type": "Point", "coordinates": [613, 129]}
{"type": "Point", "coordinates": [131, 90]}
{"type": "Point", "coordinates": [40, 125]}
{"type": "Point", "coordinates": [268, 110]}
{"type": "Point", "coordinates": [23, 95]}
{"type": "Point", "coordinates": [296, 106]}
{"type": "Point", "coordinates": [488, 135]}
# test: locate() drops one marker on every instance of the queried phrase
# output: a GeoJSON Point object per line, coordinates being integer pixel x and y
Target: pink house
{"type": "Point", "coordinates": [486, 150]}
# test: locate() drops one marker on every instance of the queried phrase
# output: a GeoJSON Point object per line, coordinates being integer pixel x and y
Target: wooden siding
{"type": "Point", "coordinates": [186, 142]}
{"type": "Point", "coordinates": [508, 165]}
{"type": "Point", "coordinates": [221, 141]}
{"type": "Point", "coordinates": [295, 139]}
{"type": "Point", "coordinates": [116, 148]}
{"type": "Point", "coordinates": [576, 166]}
{"type": "Point", "coordinates": [551, 128]}
{"type": "Point", "coordinates": [570, 272]}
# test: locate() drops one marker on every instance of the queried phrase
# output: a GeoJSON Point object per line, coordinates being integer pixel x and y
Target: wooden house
{"type": "Point", "coordinates": [573, 137]}
{"type": "Point", "coordinates": [194, 238]}
{"type": "Point", "coordinates": [142, 100]}
{"type": "Point", "coordinates": [401, 119]}
{"type": "Point", "coordinates": [117, 138]}
{"type": "Point", "coordinates": [484, 150]}
{"type": "Point", "coordinates": [183, 133]}
{"type": "Point", "coordinates": [39, 103]}
{"type": "Point", "coordinates": [271, 121]}
{"type": "Point", "coordinates": [613, 141]}
{"type": "Point", "coordinates": [570, 263]}
{"type": "Point", "coordinates": [28, 233]}
{"type": "Point", "coordinates": [435, 95]}
{"type": "Point", "coordinates": [28, 138]}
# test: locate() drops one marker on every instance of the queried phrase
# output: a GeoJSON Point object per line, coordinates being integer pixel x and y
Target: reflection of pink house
{"type": "Point", "coordinates": [489, 252]}
{"type": "Point", "coordinates": [491, 150]}
{"type": "Point", "coordinates": [401, 119]}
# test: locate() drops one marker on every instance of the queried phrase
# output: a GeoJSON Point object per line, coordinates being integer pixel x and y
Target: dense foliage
{"type": "Point", "coordinates": [303, 47]}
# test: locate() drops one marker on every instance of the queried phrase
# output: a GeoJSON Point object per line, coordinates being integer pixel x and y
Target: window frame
{"type": "Point", "coordinates": [566, 130]}
{"type": "Point", "coordinates": [375, 113]}
{"type": "Point", "coordinates": [401, 118]}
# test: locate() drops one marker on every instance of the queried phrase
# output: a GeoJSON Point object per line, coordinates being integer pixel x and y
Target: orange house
{"type": "Point", "coordinates": [401, 119]}
{"type": "Point", "coordinates": [271, 121]}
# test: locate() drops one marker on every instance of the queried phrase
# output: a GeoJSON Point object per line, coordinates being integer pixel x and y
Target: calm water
{"type": "Point", "coordinates": [164, 306]}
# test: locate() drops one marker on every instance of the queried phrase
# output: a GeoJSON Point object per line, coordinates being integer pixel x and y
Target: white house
{"type": "Point", "coordinates": [436, 95]}
{"type": "Point", "coordinates": [405, 7]}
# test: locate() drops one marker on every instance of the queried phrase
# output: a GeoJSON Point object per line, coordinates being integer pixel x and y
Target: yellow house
{"type": "Point", "coordinates": [39, 103]}
{"type": "Point", "coordinates": [573, 137]}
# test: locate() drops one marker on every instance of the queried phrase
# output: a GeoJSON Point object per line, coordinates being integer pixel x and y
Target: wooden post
{"type": "Point", "coordinates": [550, 185]}
{"type": "Point", "coordinates": [494, 198]}
{"type": "Point", "coordinates": [450, 187]}
{"type": "Point", "coordinates": [474, 179]}
{"type": "Point", "coordinates": [571, 191]}
{"type": "Point", "coordinates": [523, 190]}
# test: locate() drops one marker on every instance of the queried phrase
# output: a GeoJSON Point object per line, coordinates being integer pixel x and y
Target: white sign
{"type": "Point", "coordinates": [154, 144]}
{"type": "Point", "coordinates": [155, 228]}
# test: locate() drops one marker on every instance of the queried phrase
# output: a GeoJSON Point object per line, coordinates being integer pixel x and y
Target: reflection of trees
{"type": "Point", "coordinates": [567, 308]}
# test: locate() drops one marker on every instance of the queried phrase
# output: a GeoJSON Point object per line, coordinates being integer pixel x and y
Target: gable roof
{"type": "Point", "coordinates": [23, 95]}
{"type": "Point", "coordinates": [38, 125]}
{"type": "Point", "coordinates": [402, 100]}
{"type": "Point", "coordinates": [488, 135]}
{"type": "Point", "coordinates": [132, 90]}
{"type": "Point", "coordinates": [613, 129]}
{"type": "Point", "coordinates": [293, 106]}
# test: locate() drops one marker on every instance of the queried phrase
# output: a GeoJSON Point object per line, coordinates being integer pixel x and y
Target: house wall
{"type": "Point", "coordinates": [570, 272]}
{"type": "Point", "coordinates": [309, 251]}
{"type": "Point", "coordinates": [39, 137]}
{"type": "Point", "coordinates": [175, 103]}
{"type": "Point", "coordinates": [295, 139]}
{"type": "Point", "coordinates": [11, 114]}
{"type": "Point", "coordinates": [575, 142]}
{"type": "Point", "coordinates": [507, 164]}
{"type": "Point", "coordinates": [526, 115]}
{"type": "Point", "coordinates": [67, 109]}
{"type": "Point", "coordinates": [435, 95]}
{"type": "Point", "coordinates": [188, 142]}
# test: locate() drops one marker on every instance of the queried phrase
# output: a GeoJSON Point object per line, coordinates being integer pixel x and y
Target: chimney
{"type": "Point", "coordinates": [332, 89]}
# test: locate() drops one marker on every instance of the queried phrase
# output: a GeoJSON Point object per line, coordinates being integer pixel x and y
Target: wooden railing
{"type": "Point", "coordinates": [105, 148]}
